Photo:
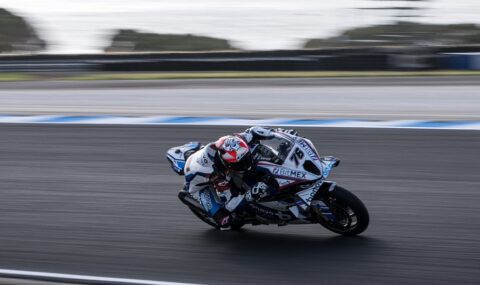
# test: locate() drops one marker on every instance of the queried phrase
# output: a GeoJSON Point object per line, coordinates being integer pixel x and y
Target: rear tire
{"type": "Point", "coordinates": [350, 216]}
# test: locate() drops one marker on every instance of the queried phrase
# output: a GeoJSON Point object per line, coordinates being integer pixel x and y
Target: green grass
{"type": "Point", "coordinates": [261, 74]}
{"type": "Point", "coordinates": [17, 77]}
{"type": "Point", "coordinates": [212, 75]}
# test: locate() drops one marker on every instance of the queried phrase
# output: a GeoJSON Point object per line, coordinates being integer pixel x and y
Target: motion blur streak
{"type": "Point", "coordinates": [450, 98]}
{"type": "Point", "coordinates": [101, 200]}
{"type": "Point", "coordinates": [81, 278]}
{"type": "Point", "coordinates": [83, 26]}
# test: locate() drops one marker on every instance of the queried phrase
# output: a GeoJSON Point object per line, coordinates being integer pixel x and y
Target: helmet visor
{"type": "Point", "coordinates": [245, 164]}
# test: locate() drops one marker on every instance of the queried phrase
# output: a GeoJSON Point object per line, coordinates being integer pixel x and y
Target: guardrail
{"type": "Point", "coordinates": [211, 61]}
{"type": "Point", "coordinates": [288, 60]}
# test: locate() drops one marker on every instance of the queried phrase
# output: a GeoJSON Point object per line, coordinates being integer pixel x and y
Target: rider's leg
{"type": "Point", "coordinates": [214, 208]}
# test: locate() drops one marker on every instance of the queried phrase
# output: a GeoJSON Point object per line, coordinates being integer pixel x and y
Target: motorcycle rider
{"type": "Point", "coordinates": [223, 166]}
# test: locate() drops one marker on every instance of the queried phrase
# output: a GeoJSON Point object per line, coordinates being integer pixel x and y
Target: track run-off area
{"type": "Point", "coordinates": [411, 98]}
{"type": "Point", "coordinates": [102, 200]}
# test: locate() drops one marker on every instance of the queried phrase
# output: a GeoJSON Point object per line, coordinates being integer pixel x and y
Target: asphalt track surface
{"type": "Point", "coordinates": [421, 98]}
{"type": "Point", "coordinates": [101, 200]}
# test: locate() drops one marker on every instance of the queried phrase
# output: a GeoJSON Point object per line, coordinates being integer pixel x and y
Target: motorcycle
{"type": "Point", "coordinates": [304, 195]}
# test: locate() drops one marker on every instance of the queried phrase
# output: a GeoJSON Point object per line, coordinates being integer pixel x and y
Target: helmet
{"type": "Point", "coordinates": [234, 153]}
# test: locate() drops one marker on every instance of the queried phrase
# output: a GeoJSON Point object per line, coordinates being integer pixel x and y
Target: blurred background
{"type": "Point", "coordinates": [94, 92]}
{"type": "Point", "coordinates": [443, 34]}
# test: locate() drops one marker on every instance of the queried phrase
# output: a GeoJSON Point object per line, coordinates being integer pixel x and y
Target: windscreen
{"type": "Point", "coordinates": [274, 150]}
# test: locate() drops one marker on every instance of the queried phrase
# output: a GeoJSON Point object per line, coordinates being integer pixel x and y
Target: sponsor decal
{"type": "Point", "coordinates": [269, 214]}
{"type": "Point", "coordinates": [308, 149]}
{"type": "Point", "coordinates": [231, 144]}
{"type": "Point", "coordinates": [290, 173]}
{"type": "Point", "coordinates": [263, 211]}
{"type": "Point", "coordinates": [202, 160]}
{"type": "Point", "coordinates": [326, 171]}
{"type": "Point", "coordinates": [307, 195]}
{"type": "Point", "coordinates": [206, 200]}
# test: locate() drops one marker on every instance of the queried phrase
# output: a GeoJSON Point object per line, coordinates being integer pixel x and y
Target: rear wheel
{"type": "Point", "coordinates": [341, 212]}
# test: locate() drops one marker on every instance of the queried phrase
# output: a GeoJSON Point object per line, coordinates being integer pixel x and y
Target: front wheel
{"type": "Point", "coordinates": [341, 212]}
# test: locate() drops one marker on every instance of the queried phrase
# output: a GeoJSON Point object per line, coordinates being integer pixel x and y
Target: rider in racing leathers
{"type": "Point", "coordinates": [218, 165]}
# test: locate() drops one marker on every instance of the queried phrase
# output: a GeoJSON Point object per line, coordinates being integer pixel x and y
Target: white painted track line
{"type": "Point", "coordinates": [81, 278]}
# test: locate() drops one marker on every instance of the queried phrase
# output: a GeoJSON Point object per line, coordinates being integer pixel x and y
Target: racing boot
{"type": "Point", "coordinates": [224, 219]}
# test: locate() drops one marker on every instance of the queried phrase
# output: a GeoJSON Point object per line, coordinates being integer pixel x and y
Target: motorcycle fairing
{"type": "Point", "coordinates": [307, 195]}
{"type": "Point", "coordinates": [328, 162]}
{"type": "Point", "coordinates": [269, 215]}
{"type": "Point", "coordinates": [177, 156]}
{"type": "Point", "coordinates": [293, 160]}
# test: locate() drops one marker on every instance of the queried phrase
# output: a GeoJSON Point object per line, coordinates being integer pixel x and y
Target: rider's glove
{"type": "Point", "coordinates": [289, 131]}
{"type": "Point", "coordinates": [257, 192]}
{"type": "Point", "coordinates": [220, 182]}
{"type": "Point", "coordinates": [222, 186]}
{"type": "Point", "coordinates": [225, 195]}
{"type": "Point", "coordinates": [256, 133]}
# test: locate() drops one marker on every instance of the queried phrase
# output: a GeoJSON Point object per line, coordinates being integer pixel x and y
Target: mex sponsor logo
{"type": "Point", "coordinates": [290, 173]}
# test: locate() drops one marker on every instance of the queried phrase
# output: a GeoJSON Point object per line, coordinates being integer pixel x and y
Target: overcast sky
{"type": "Point", "coordinates": [87, 25]}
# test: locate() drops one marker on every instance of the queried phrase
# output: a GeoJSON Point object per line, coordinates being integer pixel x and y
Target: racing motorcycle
{"type": "Point", "coordinates": [304, 195]}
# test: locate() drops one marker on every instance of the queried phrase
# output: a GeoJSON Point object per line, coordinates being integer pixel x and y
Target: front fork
{"type": "Point", "coordinates": [321, 198]}
{"type": "Point", "coordinates": [314, 198]}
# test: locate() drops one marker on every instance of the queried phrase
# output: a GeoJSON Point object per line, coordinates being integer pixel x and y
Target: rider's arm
{"type": "Point", "coordinates": [220, 182]}
{"type": "Point", "coordinates": [287, 131]}
{"type": "Point", "coordinates": [254, 134]}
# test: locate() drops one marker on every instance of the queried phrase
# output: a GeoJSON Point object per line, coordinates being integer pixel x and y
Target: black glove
{"type": "Point", "coordinates": [289, 131]}
{"type": "Point", "coordinates": [258, 191]}
{"type": "Point", "coordinates": [254, 134]}
{"type": "Point", "coordinates": [261, 132]}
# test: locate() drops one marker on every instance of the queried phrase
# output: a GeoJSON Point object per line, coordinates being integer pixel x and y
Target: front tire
{"type": "Point", "coordinates": [341, 212]}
